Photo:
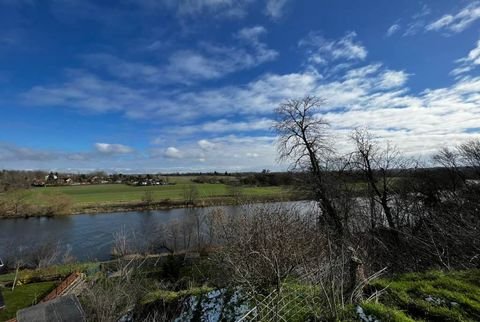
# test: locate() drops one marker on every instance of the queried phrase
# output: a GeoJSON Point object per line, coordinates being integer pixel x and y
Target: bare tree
{"type": "Point", "coordinates": [304, 139]}
{"type": "Point", "coordinates": [46, 254]}
{"type": "Point", "coordinates": [450, 160]}
{"type": "Point", "coordinates": [111, 298]}
{"type": "Point", "coordinates": [18, 202]}
{"type": "Point", "coordinates": [263, 245]}
{"type": "Point", "coordinates": [197, 219]}
{"type": "Point", "coordinates": [377, 165]}
{"type": "Point", "coordinates": [470, 154]}
{"type": "Point", "coordinates": [122, 243]}
{"type": "Point", "coordinates": [190, 194]}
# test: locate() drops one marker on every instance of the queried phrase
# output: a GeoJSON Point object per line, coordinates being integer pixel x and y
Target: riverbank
{"type": "Point", "coordinates": [108, 198]}
{"type": "Point", "coordinates": [166, 205]}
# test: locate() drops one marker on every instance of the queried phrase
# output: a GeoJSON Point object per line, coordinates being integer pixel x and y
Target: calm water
{"type": "Point", "coordinates": [89, 237]}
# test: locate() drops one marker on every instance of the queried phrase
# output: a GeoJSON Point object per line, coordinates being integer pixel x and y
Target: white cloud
{"type": "Point", "coordinates": [275, 8]}
{"type": "Point", "coordinates": [392, 30]}
{"type": "Point", "coordinates": [206, 145]}
{"type": "Point", "coordinates": [232, 153]}
{"type": "Point", "coordinates": [221, 126]}
{"type": "Point", "coordinates": [417, 124]}
{"type": "Point", "coordinates": [468, 63]}
{"type": "Point", "coordinates": [391, 79]}
{"type": "Point", "coordinates": [258, 97]}
{"type": "Point", "coordinates": [321, 50]}
{"type": "Point", "coordinates": [173, 153]}
{"type": "Point", "coordinates": [109, 148]}
{"type": "Point", "coordinates": [457, 22]}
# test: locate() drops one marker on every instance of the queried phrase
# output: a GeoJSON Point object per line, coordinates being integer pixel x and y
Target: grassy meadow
{"type": "Point", "coordinates": [111, 197]}
{"type": "Point", "coordinates": [117, 193]}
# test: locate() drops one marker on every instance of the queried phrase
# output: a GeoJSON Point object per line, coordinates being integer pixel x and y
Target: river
{"type": "Point", "coordinates": [88, 236]}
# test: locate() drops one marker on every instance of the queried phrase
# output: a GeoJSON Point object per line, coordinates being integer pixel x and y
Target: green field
{"type": "Point", "coordinates": [117, 193]}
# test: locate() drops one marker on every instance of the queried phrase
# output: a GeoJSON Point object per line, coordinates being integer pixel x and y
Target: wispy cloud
{"type": "Point", "coordinates": [275, 8]}
{"type": "Point", "coordinates": [208, 61]}
{"type": "Point", "coordinates": [220, 126]}
{"type": "Point", "coordinates": [22, 157]}
{"type": "Point", "coordinates": [417, 22]}
{"type": "Point", "coordinates": [457, 22]}
{"type": "Point", "coordinates": [321, 50]}
{"type": "Point", "coordinates": [215, 61]}
{"type": "Point", "coordinates": [468, 63]}
{"type": "Point", "coordinates": [109, 148]}
{"type": "Point", "coordinates": [227, 8]}
{"type": "Point", "coordinates": [11, 152]}
{"type": "Point", "coordinates": [393, 29]}
{"type": "Point", "coordinates": [411, 25]}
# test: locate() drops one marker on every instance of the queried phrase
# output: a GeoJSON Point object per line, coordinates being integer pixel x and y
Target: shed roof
{"type": "Point", "coordinates": [62, 309]}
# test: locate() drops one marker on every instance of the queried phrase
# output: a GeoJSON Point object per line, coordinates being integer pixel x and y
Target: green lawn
{"type": "Point", "coordinates": [23, 296]}
{"type": "Point", "coordinates": [41, 274]}
{"type": "Point", "coordinates": [117, 193]}
{"type": "Point", "coordinates": [432, 296]}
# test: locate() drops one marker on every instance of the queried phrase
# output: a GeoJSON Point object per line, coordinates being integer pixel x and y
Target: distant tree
{"type": "Point", "coordinates": [17, 201]}
{"type": "Point", "coordinates": [147, 197]}
{"type": "Point", "coordinates": [236, 191]}
{"type": "Point", "coordinates": [450, 160]}
{"type": "Point", "coordinates": [190, 194]}
{"type": "Point", "coordinates": [58, 204]}
{"type": "Point", "coordinates": [470, 155]}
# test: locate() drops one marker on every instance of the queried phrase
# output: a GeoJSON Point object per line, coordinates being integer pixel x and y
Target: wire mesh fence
{"type": "Point", "coordinates": [287, 304]}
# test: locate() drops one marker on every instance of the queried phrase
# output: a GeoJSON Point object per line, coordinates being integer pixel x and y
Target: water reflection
{"type": "Point", "coordinates": [90, 237]}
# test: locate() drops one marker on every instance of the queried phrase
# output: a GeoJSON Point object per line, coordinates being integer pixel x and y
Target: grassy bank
{"type": "Point", "coordinates": [33, 285]}
{"type": "Point", "coordinates": [432, 296]}
{"type": "Point", "coordinates": [120, 197]}
{"type": "Point", "coordinates": [23, 296]}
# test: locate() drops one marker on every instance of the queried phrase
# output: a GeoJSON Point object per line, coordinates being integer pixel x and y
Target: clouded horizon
{"type": "Point", "coordinates": [179, 86]}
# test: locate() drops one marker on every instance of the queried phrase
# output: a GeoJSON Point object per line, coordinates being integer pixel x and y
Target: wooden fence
{"type": "Point", "coordinates": [61, 287]}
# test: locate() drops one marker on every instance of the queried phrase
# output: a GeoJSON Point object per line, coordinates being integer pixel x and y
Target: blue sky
{"type": "Point", "coordinates": [190, 85]}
